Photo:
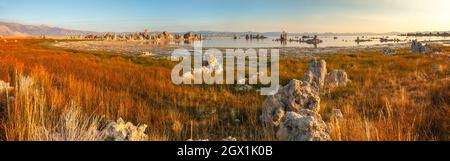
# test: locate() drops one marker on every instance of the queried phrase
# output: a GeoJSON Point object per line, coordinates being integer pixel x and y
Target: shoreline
{"type": "Point", "coordinates": [145, 49]}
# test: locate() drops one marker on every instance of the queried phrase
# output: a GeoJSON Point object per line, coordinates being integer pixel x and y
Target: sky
{"type": "Point", "coordinates": [378, 16]}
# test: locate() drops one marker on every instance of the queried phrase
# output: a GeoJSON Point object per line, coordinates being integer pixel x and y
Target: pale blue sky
{"type": "Point", "coordinates": [233, 15]}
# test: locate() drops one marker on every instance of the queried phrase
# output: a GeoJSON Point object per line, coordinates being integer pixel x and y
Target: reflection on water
{"type": "Point", "coordinates": [328, 41]}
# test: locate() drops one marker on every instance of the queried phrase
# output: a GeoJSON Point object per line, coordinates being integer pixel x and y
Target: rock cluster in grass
{"type": "Point", "coordinates": [293, 97]}
{"type": "Point", "coordinates": [198, 140]}
{"type": "Point", "coordinates": [146, 53]}
{"type": "Point", "coordinates": [336, 78]}
{"type": "Point", "coordinates": [244, 88]}
{"type": "Point", "coordinates": [229, 138]}
{"type": "Point", "coordinates": [389, 51]}
{"type": "Point", "coordinates": [418, 47]}
{"type": "Point", "coordinates": [305, 125]}
{"type": "Point", "coordinates": [293, 110]}
{"type": "Point", "coordinates": [124, 131]}
{"type": "Point", "coordinates": [316, 73]}
{"type": "Point", "coordinates": [210, 67]}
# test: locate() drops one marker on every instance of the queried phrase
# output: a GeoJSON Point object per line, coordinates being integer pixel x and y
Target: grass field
{"type": "Point", "coordinates": [390, 97]}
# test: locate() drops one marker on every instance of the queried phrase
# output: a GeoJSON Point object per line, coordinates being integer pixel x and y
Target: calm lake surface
{"type": "Point", "coordinates": [328, 41]}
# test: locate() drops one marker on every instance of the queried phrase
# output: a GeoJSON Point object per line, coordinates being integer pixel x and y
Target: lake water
{"type": "Point", "coordinates": [328, 41]}
{"type": "Point", "coordinates": [329, 45]}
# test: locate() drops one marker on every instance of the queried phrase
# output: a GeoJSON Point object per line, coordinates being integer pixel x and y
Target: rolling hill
{"type": "Point", "coordinates": [16, 29]}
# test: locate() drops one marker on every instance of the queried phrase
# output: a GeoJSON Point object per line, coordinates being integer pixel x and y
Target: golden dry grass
{"type": "Point", "coordinates": [390, 97]}
{"type": "Point", "coordinates": [136, 89]}
{"type": "Point", "coordinates": [29, 117]}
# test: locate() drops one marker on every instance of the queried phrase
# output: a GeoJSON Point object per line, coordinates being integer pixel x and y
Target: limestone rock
{"type": "Point", "coordinates": [166, 36]}
{"type": "Point", "coordinates": [212, 60]}
{"type": "Point", "coordinates": [245, 87]}
{"type": "Point", "coordinates": [294, 108]}
{"type": "Point", "coordinates": [418, 47]}
{"type": "Point", "coordinates": [389, 52]}
{"type": "Point", "coordinates": [241, 80]}
{"type": "Point", "coordinates": [188, 35]}
{"type": "Point", "coordinates": [284, 36]}
{"type": "Point", "coordinates": [146, 53]}
{"type": "Point", "coordinates": [121, 131]}
{"type": "Point", "coordinates": [316, 73]}
{"type": "Point", "coordinates": [198, 140]}
{"type": "Point", "coordinates": [337, 78]}
{"type": "Point", "coordinates": [295, 96]}
{"type": "Point", "coordinates": [229, 138]}
{"type": "Point", "coordinates": [273, 110]}
{"type": "Point", "coordinates": [305, 125]}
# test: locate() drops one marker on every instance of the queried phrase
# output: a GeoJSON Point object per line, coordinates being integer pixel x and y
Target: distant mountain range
{"type": "Point", "coordinates": [16, 29]}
